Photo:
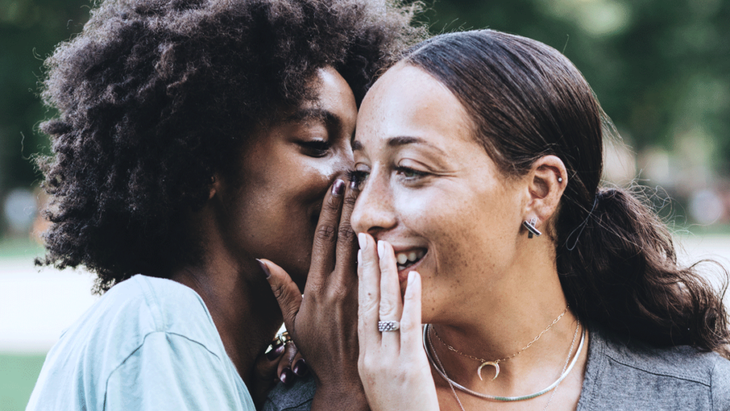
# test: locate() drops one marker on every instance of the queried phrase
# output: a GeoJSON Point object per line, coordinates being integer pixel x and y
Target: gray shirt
{"type": "Point", "coordinates": [620, 375]}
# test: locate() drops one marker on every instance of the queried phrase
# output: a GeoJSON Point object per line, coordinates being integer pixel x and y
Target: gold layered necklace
{"type": "Point", "coordinates": [439, 367]}
{"type": "Point", "coordinates": [495, 363]}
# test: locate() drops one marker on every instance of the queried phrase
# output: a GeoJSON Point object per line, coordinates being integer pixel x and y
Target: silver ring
{"type": "Point", "coordinates": [388, 326]}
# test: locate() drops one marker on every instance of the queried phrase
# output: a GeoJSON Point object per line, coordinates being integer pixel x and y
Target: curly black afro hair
{"type": "Point", "coordinates": [156, 96]}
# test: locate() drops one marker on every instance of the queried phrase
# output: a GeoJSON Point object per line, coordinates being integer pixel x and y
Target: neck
{"type": "Point", "coordinates": [243, 308]}
{"type": "Point", "coordinates": [519, 307]}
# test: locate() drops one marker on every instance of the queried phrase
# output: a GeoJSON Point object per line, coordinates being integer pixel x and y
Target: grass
{"type": "Point", "coordinates": [18, 374]}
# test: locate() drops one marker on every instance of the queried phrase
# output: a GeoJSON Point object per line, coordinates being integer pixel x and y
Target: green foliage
{"type": "Point", "coordinates": [660, 68]}
{"type": "Point", "coordinates": [29, 30]}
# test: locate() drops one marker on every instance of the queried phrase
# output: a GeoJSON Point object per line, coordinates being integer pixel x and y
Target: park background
{"type": "Point", "coordinates": [661, 69]}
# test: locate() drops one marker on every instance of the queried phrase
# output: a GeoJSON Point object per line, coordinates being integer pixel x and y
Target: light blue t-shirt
{"type": "Point", "coordinates": [147, 344]}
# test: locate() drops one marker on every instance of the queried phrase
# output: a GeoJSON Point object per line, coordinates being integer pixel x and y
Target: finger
{"type": "Point", "coordinates": [285, 290]}
{"type": "Point", "coordinates": [265, 374]}
{"type": "Point", "coordinates": [325, 237]}
{"type": "Point", "coordinates": [284, 371]}
{"type": "Point", "coordinates": [266, 368]}
{"type": "Point", "coordinates": [346, 240]}
{"type": "Point", "coordinates": [299, 365]}
{"type": "Point", "coordinates": [391, 305]}
{"type": "Point", "coordinates": [368, 273]}
{"type": "Point", "coordinates": [410, 323]}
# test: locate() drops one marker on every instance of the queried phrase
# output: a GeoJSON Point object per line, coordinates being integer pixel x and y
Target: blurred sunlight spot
{"type": "Point", "coordinates": [596, 17]}
{"type": "Point", "coordinates": [604, 17]}
{"type": "Point", "coordinates": [619, 162]}
{"type": "Point", "coordinates": [656, 166]}
{"type": "Point", "coordinates": [706, 207]}
{"type": "Point", "coordinates": [20, 210]}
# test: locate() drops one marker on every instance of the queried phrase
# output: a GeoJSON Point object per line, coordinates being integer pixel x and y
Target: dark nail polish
{"type": "Point", "coordinates": [300, 368]}
{"type": "Point", "coordinates": [287, 377]}
{"type": "Point", "coordinates": [338, 188]}
{"type": "Point", "coordinates": [264, 268]}
{"type": "Point", "coordinates": [354, 185]}
{"type": "Point", "coordinates": [275, 352]}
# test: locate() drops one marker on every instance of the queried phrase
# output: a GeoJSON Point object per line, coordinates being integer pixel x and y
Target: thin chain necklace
{"type": "Point", "coordinates": [442, 371]}
{"type": "Point", "coordinates": [461, 406]}
{"type": "Point", "coordinates": [495, 363]}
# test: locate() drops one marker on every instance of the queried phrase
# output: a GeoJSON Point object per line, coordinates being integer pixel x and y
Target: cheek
{"type": "Point", "coordinates": [471, 240]}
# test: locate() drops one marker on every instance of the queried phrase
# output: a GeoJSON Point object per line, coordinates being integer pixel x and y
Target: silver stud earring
{"type": "Point", "coordinates": [560, 179]}
{"type": "Point", "coordinates": [530, 226]}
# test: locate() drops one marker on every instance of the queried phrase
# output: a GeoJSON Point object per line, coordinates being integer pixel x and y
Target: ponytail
{"type": "Point", "coordinates": [623, 274]}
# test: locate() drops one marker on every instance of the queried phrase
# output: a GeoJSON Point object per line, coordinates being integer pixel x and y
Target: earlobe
{"type": "Point", "coordinates": [214, 186]}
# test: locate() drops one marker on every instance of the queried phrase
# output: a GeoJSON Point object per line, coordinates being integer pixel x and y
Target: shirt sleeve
{"type": "Point", "coordinates": [171, 372]}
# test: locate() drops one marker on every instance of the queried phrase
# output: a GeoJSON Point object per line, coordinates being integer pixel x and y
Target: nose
{"type": "Point", "coordinates": [374, 211]}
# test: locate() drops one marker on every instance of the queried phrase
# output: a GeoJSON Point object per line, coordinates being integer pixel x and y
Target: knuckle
{"type": "Point", "coordinates": [369, 303]}
{"type": "Point", "coordinates": [332, 205]}
{"type": "Point", "coordinates": [351, 200]}
{"type": "Point", "coordinates": [346, 233]}
{"type": "Point", "coordinates": [338, 293]}
{"type": "Point", "coordinates": [278, 290]}
{"type": "Point", "coordinates": [386, 308]}
{"type": "Point", "coordinates": [326, 233]}
{"type": "Point", "coordinates": [407, 326]}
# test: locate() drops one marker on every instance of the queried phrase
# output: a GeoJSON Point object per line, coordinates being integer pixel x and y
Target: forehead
{"type": "Point", "coordinates": [407, 101]}
{"type": "Point", "coordinates": [335, 101]}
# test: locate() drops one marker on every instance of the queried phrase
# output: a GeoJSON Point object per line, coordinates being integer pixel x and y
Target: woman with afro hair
{"type": "Point", "coordinates": [199, 144]}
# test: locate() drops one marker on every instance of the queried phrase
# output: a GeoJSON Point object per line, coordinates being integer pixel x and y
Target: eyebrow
{"type": "Point", "coordinates": [318, 114]}
{"type": "Point", "coordinates": [397, 142]}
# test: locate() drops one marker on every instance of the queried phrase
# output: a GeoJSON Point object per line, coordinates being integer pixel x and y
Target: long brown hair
{"type": "Point", "coordinates": [616, 260]}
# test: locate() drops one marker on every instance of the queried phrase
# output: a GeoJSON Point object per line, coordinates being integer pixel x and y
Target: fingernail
{"type": "Point", "coordinates": [300, 368]}
{"type": "Point", "coordinates": [359, 257]}
{"type": "Point", "coordinates": [354, 185]}
{"type": "Point", "coordinates": [286, 376]}
{"type": "Point", "coordinates": [411, 277]}
{"type": "Point", "coordinates": [264, 268]}
{"type": "Point", "coordinates": [381, 249]}
{"type": "Point", "coordinates": [362, 240]}
{"type": "Point", "coordinates": [338, 188]}
{"type": "Point", "coordinates": [275, 352]}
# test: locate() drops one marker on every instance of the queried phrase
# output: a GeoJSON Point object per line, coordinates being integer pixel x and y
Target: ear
{"type": "Point", "coordinates": [546, 183]}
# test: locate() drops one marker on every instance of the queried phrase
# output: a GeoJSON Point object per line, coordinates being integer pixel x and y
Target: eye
{"type": "Point", "coordinates": [358, 177]}
{"type": "Point", "coordinates": [315, 148]}
{"type": "Point", "coordinates": [409, 173]}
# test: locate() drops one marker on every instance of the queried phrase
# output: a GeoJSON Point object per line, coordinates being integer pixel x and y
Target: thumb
{"type": "Point", "coordinates": [285, 290]}
{"type": "Point", "coordinates": [265, 374]}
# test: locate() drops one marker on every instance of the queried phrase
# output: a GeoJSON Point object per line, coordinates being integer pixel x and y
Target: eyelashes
{"type": "Point", "coordinates": [316, 148]}
{"type": "Point", "coordinates": [357, 177]}
{"type": "Point", "coordinates": [409, 175]}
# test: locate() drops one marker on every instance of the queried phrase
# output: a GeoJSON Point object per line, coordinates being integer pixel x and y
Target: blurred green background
{"type": "Point", "coordinates": [661, 69]}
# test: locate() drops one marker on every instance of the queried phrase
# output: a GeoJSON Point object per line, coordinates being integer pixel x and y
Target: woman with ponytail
{"type": "Point", "coordinates": [496, 271]}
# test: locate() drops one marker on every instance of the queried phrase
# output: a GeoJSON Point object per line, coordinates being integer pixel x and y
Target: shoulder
{"type": "Point", "coordinates": [137, 317]}
{"type": "Point", "coordinates": [633, 374]}
{"type": "Point", "coordinates": [297, 397]}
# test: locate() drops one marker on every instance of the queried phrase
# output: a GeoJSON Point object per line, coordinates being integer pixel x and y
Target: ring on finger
{"type": "Point", "coordinates": [281, 339]}
{"type": "Point", "coordinates": [385, 326]}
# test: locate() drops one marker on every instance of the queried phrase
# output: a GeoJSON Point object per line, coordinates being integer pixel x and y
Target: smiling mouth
{"type": "Point", "coordinates": [407, 259]}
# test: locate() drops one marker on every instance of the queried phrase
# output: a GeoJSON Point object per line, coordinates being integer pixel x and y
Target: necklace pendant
{"type": "Point", "coordinates": [494, 364]}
